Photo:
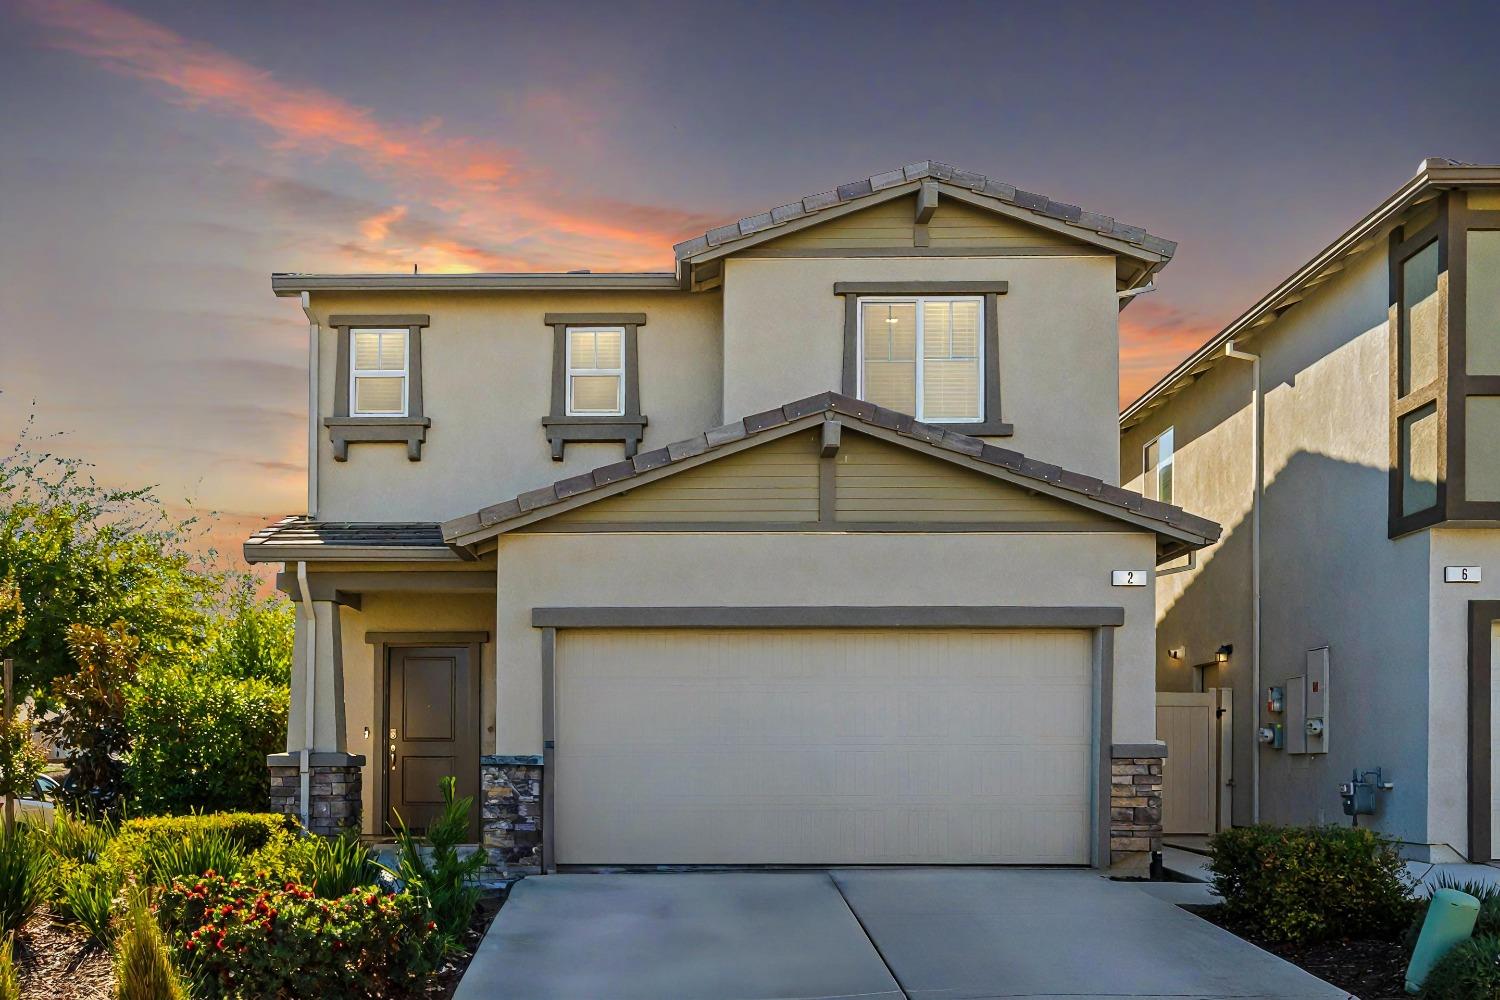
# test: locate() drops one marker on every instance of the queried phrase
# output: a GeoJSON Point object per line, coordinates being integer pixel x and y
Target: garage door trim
{"type": "Point", "coordinates": [1101, 621]}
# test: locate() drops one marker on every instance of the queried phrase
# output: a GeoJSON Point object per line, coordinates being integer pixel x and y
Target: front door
{"type": "Point", "coordinates": [433, 731]}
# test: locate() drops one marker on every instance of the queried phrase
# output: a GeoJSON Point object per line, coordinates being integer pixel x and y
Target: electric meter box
{"type": "Point", "coordinates": [1307, 706]}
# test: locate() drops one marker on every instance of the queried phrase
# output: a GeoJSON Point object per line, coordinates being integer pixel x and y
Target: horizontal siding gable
{"type": "Point", "coordinates": [890, 224]}
{"type": "Point", "coordinates": [881, 482]}
{"type": "Point", "coordinates": [776, 481]}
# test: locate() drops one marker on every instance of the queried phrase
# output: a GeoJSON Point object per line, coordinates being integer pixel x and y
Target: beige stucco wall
{"type": "Point", "coordinates": [825, 568]}
{"type": "Point", "coordinates": [1448, 644]}
{"type": "Point", "coordinates": [487, 384]}
{"type": "Point", "coordinates": [1059, 350]}
{"type": "Point", "coordinates": [1331, 576]}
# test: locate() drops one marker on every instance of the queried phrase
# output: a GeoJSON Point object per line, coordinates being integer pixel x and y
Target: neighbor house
{"type": "Point", "coordinates": [811, 551]}
{"type": "Point", "coordinates": [1346, 431]}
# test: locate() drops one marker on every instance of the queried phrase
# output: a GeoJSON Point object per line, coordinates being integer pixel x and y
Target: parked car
{"type": "Point", "coordinates": [38, 808]}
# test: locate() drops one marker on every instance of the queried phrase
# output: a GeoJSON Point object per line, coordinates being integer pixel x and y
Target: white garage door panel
{"type": "Point", "coordinates": [821, 747]}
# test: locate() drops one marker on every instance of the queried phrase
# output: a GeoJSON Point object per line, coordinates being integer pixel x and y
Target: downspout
{"type": "Point", "coordinates": [310, 683]}
{"type": "Point", "coordinates": [1257, 406]}
{"type": "Point", "coordinates": [312, 406]}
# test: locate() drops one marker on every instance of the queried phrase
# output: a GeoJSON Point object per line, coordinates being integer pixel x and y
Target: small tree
{"type": "Point", "coordinates": [91, 715]}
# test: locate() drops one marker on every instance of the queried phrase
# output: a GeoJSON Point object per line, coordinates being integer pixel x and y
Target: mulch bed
{"type": "Point", "coordinates": [56, 962]}
{"type": "Point", "coordinates": [1369, 969]}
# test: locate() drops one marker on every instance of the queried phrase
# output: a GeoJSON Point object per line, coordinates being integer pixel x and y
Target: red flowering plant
{"type": "Point", "coordinates": [250, 939]}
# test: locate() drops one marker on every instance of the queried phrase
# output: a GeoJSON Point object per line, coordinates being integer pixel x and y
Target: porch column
{"type": "Point", "coordinates": [323, 763]}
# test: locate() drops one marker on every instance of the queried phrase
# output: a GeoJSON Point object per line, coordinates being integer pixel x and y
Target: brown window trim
{"type": "Point", "coordinates": [990, 291]}
{"type": "Point", "coordinates": [1462, 385]}
{"type": "Point", "coordinates": [1435, 392]}
{"type": "Point", "coordinates": [562, 428]}
{"type": "Point", "coordinates": [409, 429]}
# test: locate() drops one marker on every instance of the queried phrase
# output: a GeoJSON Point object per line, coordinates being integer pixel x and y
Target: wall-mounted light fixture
{"type": "Point", "coordinates": [1176, 653]}
{"type": "Point", "coordinates": [1223, 653]}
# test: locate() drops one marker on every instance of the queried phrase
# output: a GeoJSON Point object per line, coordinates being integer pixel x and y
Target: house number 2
{"type": "Point", "coordinates": [1128, 578]}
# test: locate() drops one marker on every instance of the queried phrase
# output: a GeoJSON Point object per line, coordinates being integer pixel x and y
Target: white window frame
{"type": "Point", "coordinates": [356, 373]}
{"type": "Point", "coordinates": [919, 301]}
{"type": "Point", "coordinates": [570, 371]}
{"type": "Point", "coordinates": [1153, 472]}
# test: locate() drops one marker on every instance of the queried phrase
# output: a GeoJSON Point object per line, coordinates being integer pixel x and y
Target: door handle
{"type": "Point", "coordinates": [392, 744]}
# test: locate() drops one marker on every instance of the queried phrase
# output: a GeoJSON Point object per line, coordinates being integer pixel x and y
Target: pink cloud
{"type": "Point", "coordinates": [493, 196]}
{"type": "Point", "coordinates": [1154, 337]}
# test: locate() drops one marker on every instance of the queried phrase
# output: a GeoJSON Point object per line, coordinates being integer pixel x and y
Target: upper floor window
{"type": "Point", "coordinates": [1158, 460]}
{"type": "Point", "coordinates": [378, 374]}
{"type": "Point", "coordinates": [1421, 352]}
{"type": "Point", "coordinates": [923, 355]}
{"type": "Point", "coordinates": [596, 371]}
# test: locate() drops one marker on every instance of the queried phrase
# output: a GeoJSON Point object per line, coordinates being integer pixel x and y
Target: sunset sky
{"type": "Point", "coordinates": [159, 161]}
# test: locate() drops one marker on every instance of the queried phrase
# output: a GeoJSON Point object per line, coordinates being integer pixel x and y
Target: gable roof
{"type": "Point", "coordinates": [1177, 531]}
{"type": "Point", "coordinates": [966, 185]}
{"type": "Point", "coordinates": [1434, 175]}
{"type": "Point", "coordinates": [299, 537]}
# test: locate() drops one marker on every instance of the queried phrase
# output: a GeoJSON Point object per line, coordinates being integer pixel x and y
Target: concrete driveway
{"type": "Point", "coordinates": [874, 934]}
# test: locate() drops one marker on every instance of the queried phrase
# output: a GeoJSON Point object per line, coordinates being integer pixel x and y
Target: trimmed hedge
{"type": "Point", "coordinates": [1303, 884]}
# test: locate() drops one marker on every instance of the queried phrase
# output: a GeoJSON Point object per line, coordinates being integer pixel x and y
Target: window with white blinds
{"type": "Point", "coordinates": [378, 373]}
{"type": "Point", "coordinates": [923, 356]}
{"type": "Point", "coordinates": [596, 371]}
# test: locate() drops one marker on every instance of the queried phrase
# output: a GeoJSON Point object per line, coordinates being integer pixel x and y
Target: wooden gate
{"type": "Point", "coordinates": [1195, 727]}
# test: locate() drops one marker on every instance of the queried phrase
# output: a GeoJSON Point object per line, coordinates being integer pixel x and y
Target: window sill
{"type": "Point", "coordinates": [627, 429]}
{"type": "Point", "coordinates": [343, 431]}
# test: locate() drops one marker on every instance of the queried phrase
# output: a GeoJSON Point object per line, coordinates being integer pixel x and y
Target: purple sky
{"type": "Point", "coordinates": [160, 160]}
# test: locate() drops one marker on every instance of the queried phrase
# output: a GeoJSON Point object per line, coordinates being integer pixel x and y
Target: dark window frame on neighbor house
{"type": "Point", "coordinates": [1436, 414]}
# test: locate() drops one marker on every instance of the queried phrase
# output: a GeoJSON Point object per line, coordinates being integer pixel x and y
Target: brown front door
{"type": "Point", "coordinates": [433, 720]}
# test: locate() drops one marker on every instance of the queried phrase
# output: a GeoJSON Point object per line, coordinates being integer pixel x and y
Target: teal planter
{"type": "Point", "coordinates": [1450, 921]}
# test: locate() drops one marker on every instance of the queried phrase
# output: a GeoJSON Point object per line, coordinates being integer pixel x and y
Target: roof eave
{"type": "Point", "coordinates": [287, 285]}
{"type": "Point", "coordinates": [1250, 322]}
{"type": "Point", "coordinates": [259, 553]}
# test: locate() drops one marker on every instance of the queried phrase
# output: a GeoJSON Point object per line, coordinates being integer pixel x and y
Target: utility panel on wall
{"type": "Point", "coordinates": [1307, 706]}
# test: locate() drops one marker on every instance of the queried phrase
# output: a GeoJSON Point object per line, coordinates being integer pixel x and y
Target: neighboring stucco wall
{"type": "Point", "coordinates": [1059, 350]}
{"type": "Point", "coordinates": [1202, 608]}
{"type": "Point", "coordinates": [826, 568]}
{"type": "Point", "coordinates": [487, 384]}
{"type": "Point", "coordinates": [1447, 710]}
{"type": "Point", "coordinates": [1330, 574]}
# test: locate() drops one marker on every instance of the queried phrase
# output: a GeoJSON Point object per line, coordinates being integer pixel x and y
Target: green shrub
{"type": "Point", "coordinates": [21, 760]}
{"type": "Point", "coordinates": [78, 839]}
{"type": "Point", "coordinates": [142, 839]}
{"type": "Point", "coordinates": [248, 940]}
{"type": "Point", "coordinates": [199, 739]}
{"type": "Point", "coordinates": [1470, 971]}
{"type": "Point", "coordinates": [86, 896]}
{"type": "Point", "coordinates": [335, 867]}
{"type": "Point", "coordinates": [143, 963]}
{"type": "Point", "coordinates": [1304, 884]}
{"type": "Point", "coordinates": [25, 876]}
{"type": "Point", "coordinates": [10, 980]}
{"type": "Point", "coordinates": [435, 871]}
{"type": "Point", "coordinates": [197, 851]}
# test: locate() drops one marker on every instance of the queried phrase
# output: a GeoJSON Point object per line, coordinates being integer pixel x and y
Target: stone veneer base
{"type": "Point", "coordinates": [334, 793]}
{"type": "Point", "coordinates": [1135, 785]}
{"type": "Point", "coordinates": [510, 789]}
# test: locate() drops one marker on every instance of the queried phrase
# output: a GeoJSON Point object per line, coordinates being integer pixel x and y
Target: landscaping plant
{"type": "Point", "coordinates": [435, 871]}
{"type": "Point", "coordinates": [196, 851]}
{"type": "Point", "coordinates": [143, 961]}
{"type": "Point", "coordinates": [10, 981]}
{"type": "Point", "coordinates": [247, 940]}
{"type": "Point", "coordinates": [336, 866]}
{"type": "Point", "coordinates": [1470, 971]}
{"type": "Point", "coordinates": [21, 760]}
{"type": "Point", "coordinates": [1303, 884]}
{"type": "Point", "coordinates": [1488, 894]}
{"type": "Point", "coordinates": [78, 839]}
{"type": "Point", "coordinates": [25, 876]}
{"type": "Point", "coordinates": [91, 716]}
{"type": "Point", "coordinates": [87, 896]}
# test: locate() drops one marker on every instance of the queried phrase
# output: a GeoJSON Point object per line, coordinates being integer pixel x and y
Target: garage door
{"type": "Point", "coordinates": [822, 747]}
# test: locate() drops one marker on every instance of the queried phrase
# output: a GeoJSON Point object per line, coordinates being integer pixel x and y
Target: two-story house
{"type": "Point", "coordinates": [1346, 431]}
{"type": "Point", "coordinates": [809, 551]}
